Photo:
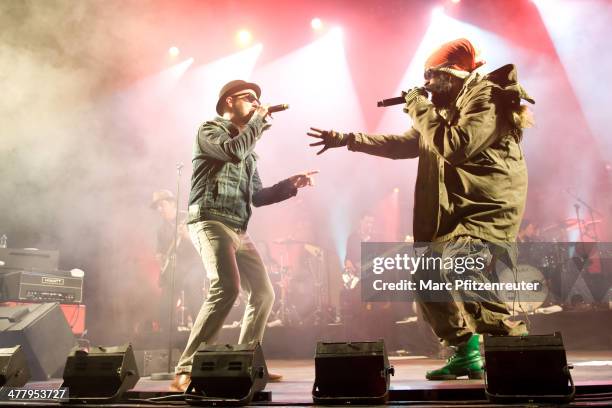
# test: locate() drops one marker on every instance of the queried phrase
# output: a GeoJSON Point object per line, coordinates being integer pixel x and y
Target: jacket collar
{"type": "Point", "coordinates": [227, 124]}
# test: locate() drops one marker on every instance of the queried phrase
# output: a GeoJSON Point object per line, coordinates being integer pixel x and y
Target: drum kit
{"type": "Point", "coordinates": [529, 274]}
{"type": "Point", "coordinates": [301, 286]}
{"type": "Point", "coordinates": [546, 257]}
{"type": "Point", "coordinates": [559, 267]}
{"type": "Point", "coordinates": [300, 281]}
{"type": "Point", "coordinates": [562, 231]}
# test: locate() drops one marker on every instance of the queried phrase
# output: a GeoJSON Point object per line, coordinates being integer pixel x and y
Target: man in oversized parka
{"type": "Point", "coordinates": [470, 192]}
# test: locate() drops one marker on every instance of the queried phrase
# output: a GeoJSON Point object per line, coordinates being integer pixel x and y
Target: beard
{"type": "Point", "coordinates": [242, 118]}
{"type": "Point", "coordinates": [442, 99]}
{"type": "Point", "coordinates": [443, 92]}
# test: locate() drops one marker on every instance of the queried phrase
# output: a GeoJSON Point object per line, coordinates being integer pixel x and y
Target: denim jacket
{"type": "Point", "coordinates": [225, 181]}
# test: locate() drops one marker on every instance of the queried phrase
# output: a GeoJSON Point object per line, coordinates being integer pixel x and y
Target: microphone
{"type": "Point", "coordinates": [278, 108]}
{"type": "Point", "coordinates": [391, 101]}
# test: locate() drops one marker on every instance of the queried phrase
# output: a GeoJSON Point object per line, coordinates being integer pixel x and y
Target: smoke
{"type": "Point", "coordinates": [75, 175]}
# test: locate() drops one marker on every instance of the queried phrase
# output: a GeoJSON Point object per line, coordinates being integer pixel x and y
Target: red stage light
{"type": "Point", "coordinates": [316, 23]}
{"type": "Point", "coordinates": [437, 11]}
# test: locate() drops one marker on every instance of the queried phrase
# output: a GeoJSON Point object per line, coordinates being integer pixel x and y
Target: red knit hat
{"type": "Point", "coordinates": [455, 57]}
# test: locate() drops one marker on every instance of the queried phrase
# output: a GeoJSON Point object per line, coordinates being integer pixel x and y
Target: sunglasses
{"type": "Point", "coordinates": [249, 97]}
{"type": "Point", "coordinates": [430, 73]}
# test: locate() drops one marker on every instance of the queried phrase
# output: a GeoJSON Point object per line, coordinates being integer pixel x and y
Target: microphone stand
{"type": "Point", "coordinates": [169, 374]}
{"type": "Point", "coordinates": [586, 251]}
{"type": "Point", "coordinates": [592, 210]}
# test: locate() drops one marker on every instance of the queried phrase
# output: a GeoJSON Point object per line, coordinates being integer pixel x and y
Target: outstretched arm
{"type": "Point", "coordinates": [404, 146]}
{"type": "Point", "coordinates": [280, 191]}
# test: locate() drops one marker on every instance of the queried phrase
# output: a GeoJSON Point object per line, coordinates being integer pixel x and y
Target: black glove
{"type": "Point", "coordinates": [329, 139]}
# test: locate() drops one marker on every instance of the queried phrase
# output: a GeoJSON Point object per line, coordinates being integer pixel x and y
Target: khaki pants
{"type": "Point", "coordinates": [231, 262]}
{"type": "Point", "coordinates": [455, 316]}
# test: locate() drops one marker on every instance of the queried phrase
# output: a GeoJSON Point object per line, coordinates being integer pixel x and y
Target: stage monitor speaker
{"type": "Point", "coordinates": [227, 374]}
{"type": "Point", "coordinates": [14, 370]}
{"type": "Point", "coordinates": [103, 373]}
{"type": "Point", "coordinates": [29, 259]}
{"type": "Point", "coordinates": [527, 368]}
{"type": "Point", "coordinates": [356, 373]}
{"type": "Point", "coordinates": [43, 333]}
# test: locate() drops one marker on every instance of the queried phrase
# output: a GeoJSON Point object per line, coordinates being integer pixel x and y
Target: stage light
{"type": "Point", "coordinates": [326, 84]}
{"type": "Point", "coordinates": [316, 23]}
{"type": "Point", "coordinates": [244, 37]}
{"type": "Point", "coordinates": [174, 51]}
{"type": "Point", "coordinates": [437, 12]}
{"type": "Point", "coordinates": [569, 24]}
{"type": "Point", "coordinates": [396, 190]}
{"type": "Point", "coordinates": [443, 28]}
{"type": "Point", "coordinates": [337, 32]}
{"type": "Point", "coordinates": [455, 1]}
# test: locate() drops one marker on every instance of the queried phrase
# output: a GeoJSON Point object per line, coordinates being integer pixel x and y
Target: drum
{"type": "Point", "coordinates": [524, 301]}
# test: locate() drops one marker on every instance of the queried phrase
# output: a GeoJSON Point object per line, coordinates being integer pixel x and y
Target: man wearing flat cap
{"type": "Point", "coordinates": [470, 190]}
{"type": "Point", "coordinates": [224, 185]}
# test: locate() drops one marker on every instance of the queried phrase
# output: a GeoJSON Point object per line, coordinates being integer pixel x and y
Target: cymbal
{"type": "Point", "coordinates": [313, 249]}
{"type": "Point", "coordinates": [291, 241]}
{"type": "Point", "coordinates": [574, 222]}
{"type": "Point", "coordinates": [307, 245]}
{"type": "Point", "coordinates": [570, 223]}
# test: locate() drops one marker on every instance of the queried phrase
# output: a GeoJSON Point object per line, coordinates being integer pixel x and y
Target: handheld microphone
{"type": "Point", "coordinates": [391, 101]}
{"type": "Point", "coordinates": [278, 108]}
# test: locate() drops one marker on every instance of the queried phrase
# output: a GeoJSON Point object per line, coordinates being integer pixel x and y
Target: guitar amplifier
{"type": "Point", "coordinates": [42, 287]}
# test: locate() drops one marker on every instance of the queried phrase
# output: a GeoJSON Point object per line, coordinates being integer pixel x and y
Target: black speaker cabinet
{"type": "Point", "coordinates": [103, 373]}
{"type": "Point", "coordinates": [227, 374]}
{"type": "Point", "coordinates": [14, 370]}
{"type": "Point", "coordinates": [43, 333]}
{"type": "Point", "coordinates": [527, 368]}
{"type": "Point", "coordinates": [351, 373]}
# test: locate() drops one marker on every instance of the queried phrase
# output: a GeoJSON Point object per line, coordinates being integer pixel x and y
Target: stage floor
{"type": "Point", "coordinates": [591, 368]}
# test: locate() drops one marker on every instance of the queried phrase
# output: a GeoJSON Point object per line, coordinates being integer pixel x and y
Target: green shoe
{"type": "Point", "coordinates": [465, 361]}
